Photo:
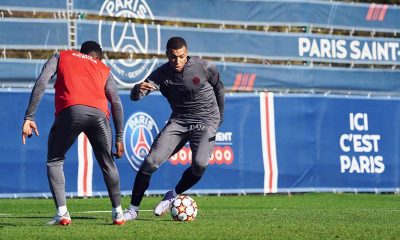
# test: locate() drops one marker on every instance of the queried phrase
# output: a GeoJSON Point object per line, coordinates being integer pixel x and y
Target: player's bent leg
{"type": "Point", "coordinates": [201, 143]}
{"type": "Point", "coordinates": [189, 179]}
{"type": "Point", "coordinates": [99, 135]}
{"type": "Point", "coordinates": [163, 146]}
{"type": "Point", "coordinates": [200, 157]}
{"type": "Point", "coordinates": [56, 180]}
{"type": "Point", "coordinates": [62, 135]}
{"type": "Point", "coordinates": [166, 202]}
{"type": "Point", "coordinates": [142, 182]}
{"type": "Point", "coordinates": [61, 220]}
{"type": "Point", "coordinates": [140, 185]}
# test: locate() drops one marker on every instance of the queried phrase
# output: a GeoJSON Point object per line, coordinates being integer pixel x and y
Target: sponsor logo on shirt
{"type": "Point", "coordinates": [196, 80]}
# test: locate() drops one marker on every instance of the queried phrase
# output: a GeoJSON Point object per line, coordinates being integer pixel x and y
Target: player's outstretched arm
{"type": "Point", "coordinates": [28, 128]}
{"type": "Point", "coordinates": [48, 71]}
{"type": "Point", "coordinates": [117, 114]}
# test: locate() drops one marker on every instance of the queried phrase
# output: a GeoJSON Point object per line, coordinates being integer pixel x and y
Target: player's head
{"type": "Point", "coordinates": [177, 53]}
{"type": "Point", "coordinates": [92, 49]}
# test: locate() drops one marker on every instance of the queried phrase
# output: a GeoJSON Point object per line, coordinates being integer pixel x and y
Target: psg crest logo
{"type": "Point", "coordinates": [139, 133]}
{"type": "Point", "coordinates": [196, 80]}
{"type": "Point", "coordinates": [129, 37]}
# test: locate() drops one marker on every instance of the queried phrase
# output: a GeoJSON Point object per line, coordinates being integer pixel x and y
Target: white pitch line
{"type": "Point", "coordinates": [144, 210]}
{"type": "Point", "coordinates": [94, 212]}
{"type": "Point", "coordinates": [380, 210]}
{"type": "Point", "coordinates": [150, 210]}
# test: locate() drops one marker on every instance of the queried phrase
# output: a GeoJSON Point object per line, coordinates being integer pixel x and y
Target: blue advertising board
{"type": "Point", "coordinates": [241, 43]}
{"type": "Point", "coordinates": [240, 76]}
{"type": "Point", "coordinates": [49, 5]}
{"type": "Point", "coordinates": [33, 34]}
{"type": "Point", "coordinates": [268, 143]}
{"type": "Point", "coordinates": [151, 38]}
{"type": "Point", "coordinates": [290, 12]}
{"type": "Point", "coordinates": [28, 161]}
{"type": "Point", "coordinates": [331, 14]}
{"type": "Point", "coordinates": [337, 143]}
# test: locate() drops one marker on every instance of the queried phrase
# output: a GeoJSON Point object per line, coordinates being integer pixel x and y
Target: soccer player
{"type": "Point", "coordinates": [83, 88]}
{"type": "Point", "coordinates": [195, 93]}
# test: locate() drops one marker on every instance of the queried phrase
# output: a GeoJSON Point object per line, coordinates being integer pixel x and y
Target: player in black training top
{"type": "Point", "coordinates": [195, 93]}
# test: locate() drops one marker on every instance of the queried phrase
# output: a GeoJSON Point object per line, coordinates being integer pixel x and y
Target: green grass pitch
{"type": "Point", "coordinates": [299, 216]}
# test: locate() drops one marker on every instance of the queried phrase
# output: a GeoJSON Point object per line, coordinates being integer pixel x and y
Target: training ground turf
{"type": "Point", "coordinates": [299, 216]}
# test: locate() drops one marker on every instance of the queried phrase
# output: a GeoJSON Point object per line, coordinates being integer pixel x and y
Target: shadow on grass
{"type": "Point", "coordinates": [7, 225]}
{"type": "Point", "coordinates": [48, 218]}
{"type": "Point", "coordinates": [40, 217]}
{"type": "Point", "coordinates": [153, 220]}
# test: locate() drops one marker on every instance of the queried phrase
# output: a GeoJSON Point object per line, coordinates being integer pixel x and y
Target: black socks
{"type": "Point", "coordinates": [187, 181]}
{"type": "Point", "coordinates": [141, 184]}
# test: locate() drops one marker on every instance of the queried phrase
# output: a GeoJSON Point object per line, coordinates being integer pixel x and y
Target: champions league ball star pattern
{"type": "Point", "coordinates": [184, 208]}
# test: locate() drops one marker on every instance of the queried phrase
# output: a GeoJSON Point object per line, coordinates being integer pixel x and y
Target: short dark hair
{"type": "Point", "coordinates": [91, 46]}
{"type": "Point", "coordinates": [176, 43]}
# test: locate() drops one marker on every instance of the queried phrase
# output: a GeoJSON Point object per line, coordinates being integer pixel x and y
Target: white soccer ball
{"type": "Point", "coordinates": [184, 208]}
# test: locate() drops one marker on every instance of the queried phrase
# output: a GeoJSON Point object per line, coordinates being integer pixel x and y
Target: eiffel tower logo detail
{"type": "Point", "coordinates": [142, 147]}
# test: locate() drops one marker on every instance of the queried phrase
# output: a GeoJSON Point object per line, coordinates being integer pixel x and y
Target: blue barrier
{"type": "Point", "coordinates": [239, 43]}
{"type": "Point", "coordinates": [33, 34]}
{"type": "Point", "coordinates": [284, 142]}
{"type": "Point", "coordinates": [20, 71]}
{"type": "Point", "coordinates": [337, 143]}
{"type": "Point", "coordinates": [41, 34]}
{"type": "Point", "coordinates": [377, 17]}
{"type": "Point", "coordinates": [236, 43]}
{"type": "Point", "coordinates": [291, 12]}
{"type": "Point", "coordinates": [237, 76]}
{"type": "Point", "coordinates": [50, 5]}
{"type": "Point", "coordinates": [28, 161]}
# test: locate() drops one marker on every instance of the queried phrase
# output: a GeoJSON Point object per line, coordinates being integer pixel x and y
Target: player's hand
{"type": "Point", "coordinates": [120, 150]}
{"type": "Point", "coordinates": [28, 128]}
{"type": "Point", "coordinates": [146, 86]}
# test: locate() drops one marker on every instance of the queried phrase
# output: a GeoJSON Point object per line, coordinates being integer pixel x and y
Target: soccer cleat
{"type": "Point", "coordinates": [130, 214]}
{"type": "Point", "coordinates": [118, 218]}
{"type": "Point", "coordinates": [61, 220]}
{"type": "Point", "coordinates": [165, 204]}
